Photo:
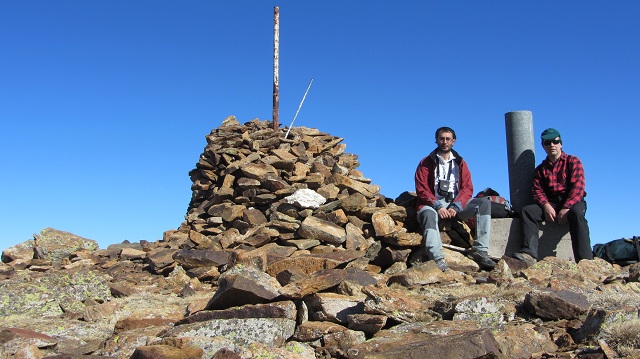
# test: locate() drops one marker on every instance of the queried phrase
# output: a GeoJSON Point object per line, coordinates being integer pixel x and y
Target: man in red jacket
{"type": "Point", "coordinates": [558, 192]}
{"type": "Point", "coordinates": [444, 190]}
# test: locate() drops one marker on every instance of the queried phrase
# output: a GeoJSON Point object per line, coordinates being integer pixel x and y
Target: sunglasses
{"type": "Point", "coordinates": [549, 142]}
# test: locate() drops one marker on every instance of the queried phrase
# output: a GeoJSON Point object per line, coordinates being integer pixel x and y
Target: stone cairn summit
{"type": "Point", "coordinates": [252, 187]}
{"type": "Point", "coordinates": [288, 251]}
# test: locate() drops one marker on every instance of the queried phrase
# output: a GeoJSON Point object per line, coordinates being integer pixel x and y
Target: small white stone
{"type": "Point", "coordinates": [306, 198]}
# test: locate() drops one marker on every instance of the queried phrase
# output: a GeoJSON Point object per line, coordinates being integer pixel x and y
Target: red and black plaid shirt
{"type": "Point", "coordinates": [559, 183]}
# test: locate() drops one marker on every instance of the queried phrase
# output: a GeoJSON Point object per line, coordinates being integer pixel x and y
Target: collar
{"type": "Point", "coordinates": [563, 157]}
{"type": "Point", "coordinates": [454, 155]}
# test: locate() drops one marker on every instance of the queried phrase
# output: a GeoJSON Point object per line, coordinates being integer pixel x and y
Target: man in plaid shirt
{"type": "Point", "coordinates": [558, 192]}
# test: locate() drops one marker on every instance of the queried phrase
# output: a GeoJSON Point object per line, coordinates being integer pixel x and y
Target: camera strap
{"type": "Point", "coordinates": [450, 170]}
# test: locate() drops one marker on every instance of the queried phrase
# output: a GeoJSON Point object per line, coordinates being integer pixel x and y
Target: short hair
{"type": "Point", "coordinates": [445, 129]}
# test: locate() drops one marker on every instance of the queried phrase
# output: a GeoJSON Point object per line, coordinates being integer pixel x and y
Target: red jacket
{"type": "Point", "coordinates": [425, 183]}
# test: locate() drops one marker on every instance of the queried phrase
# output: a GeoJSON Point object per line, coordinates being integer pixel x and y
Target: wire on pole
{"type": "Point", "coordinates": [298, 110]}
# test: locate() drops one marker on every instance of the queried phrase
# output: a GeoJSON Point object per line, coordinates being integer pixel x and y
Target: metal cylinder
{"type": "Point", "coordinates": [521, 156]}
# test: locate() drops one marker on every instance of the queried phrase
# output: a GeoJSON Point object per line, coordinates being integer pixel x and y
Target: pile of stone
{"type": "Point", "coordinates": [288, 251]}
{"type": "Point", "coordinates": [252, 187]}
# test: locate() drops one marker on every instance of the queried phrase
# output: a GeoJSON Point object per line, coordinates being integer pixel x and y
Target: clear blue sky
{"type": "Point", "coordinates": [104, 105]}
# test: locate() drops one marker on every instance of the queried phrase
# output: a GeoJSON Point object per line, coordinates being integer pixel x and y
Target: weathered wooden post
{"type": "Point", "coordinates": [276, 58]}
{"type": "Point", "coordinates": [521, 156]}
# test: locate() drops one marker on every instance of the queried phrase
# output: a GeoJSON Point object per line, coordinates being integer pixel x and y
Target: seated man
{"type": "Point", "coordinates": [444, 190]}
{"type": "Point", "coordinates": [558, 193]}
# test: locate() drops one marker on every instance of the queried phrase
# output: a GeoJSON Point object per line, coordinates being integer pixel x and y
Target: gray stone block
{"type": "Point", "coordinates": [506, 239]}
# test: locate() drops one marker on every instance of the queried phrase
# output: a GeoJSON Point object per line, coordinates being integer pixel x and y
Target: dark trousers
{"type": "Point", "coordinates": [532, 215]}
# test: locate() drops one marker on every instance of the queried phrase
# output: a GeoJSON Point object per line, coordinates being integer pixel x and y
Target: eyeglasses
{"type": "Point", "coordinates": [445, 139]}
{"type": "Point", "coordinates": [549, 142]}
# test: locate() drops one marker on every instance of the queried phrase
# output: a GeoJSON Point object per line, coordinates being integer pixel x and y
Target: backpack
{"type": "Point", "coordinates": [619, 251]}
{"type": "Point", "coordinates": [500, 207]}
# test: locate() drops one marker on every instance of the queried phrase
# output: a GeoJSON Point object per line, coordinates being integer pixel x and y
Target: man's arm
{"type": "Point", "coordinates": [576, 182]}
{"type": "Point", "coordinates": [540, 197]}
{"type": "Point", "coordinates": [465, 188]}
{"type": "Point", "coordinates": [537, 189]}
{"type": "Point", "coordinates": [424, 190]}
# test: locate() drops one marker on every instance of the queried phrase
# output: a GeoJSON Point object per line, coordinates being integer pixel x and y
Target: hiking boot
{"type": "Point", "coordinates": [483, 260]}
{"type": "Point", "coordinates": [442, 264]}
{"type": "Point", "coordinates": [525, 257]}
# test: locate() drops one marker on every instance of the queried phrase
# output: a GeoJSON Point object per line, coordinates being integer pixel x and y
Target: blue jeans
{"type": "Point", "coordinates": [428, 219]}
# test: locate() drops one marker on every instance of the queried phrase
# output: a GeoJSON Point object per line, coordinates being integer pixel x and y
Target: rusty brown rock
{"type": "Point", "coordinates": [127, 324]}
{"type": "Point", "coordinates": [55, 245]}
{"type": "Point", "coordinates": [161, 259]}
{"type": "Point", "coordinates": [314, 262]}
{"type": "Point", "coordinates": [556, 305]}
{"type": "Point", "coordinates": [166, 352]}
{"type": "Point", "coordinates": [424, 273]}
{"type": "Point", "coordinates": [524, 341]}
{"type": "Point", "coordinates": [195, 258]}
{"type": "Point", "coordinates": [313, 283]}
{"type": "Point", "coordinates": [396, 305]}
{"type": "Point", "coordinates": [333, 307]}
{"type": "Point", "coordinates": [337, 344]}
{"type": "Point", "coordinates": [324, 231]}
{"type": "Point", "coordinates": [383, 224]}
{"type": "Point", "coordinates": [475, 344]}
{"type": "Point", "coordinates": [344, 182]}
{"type": "Point", "coordinates": [367, 323]}
{"type": "Point", "coordinates": [634, 272]}
{"type": "Point", "coordinates": [283, 309]}
{"type": "Point", "coordinates": [354, 202]}
{"type": "Point", "coordinates": [310, 331]}
{"type": "Point", "coordinates": [243, 285]}
{"type": "Point", "coordinates": [402, 238]}
{"type": "Point", "coordinates": [259, 171]}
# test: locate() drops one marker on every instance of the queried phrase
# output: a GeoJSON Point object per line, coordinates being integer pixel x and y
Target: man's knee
{"type": "Point", "coordinates": [483, 204]}
{"type": "Point", "coordinates": [428, 217]}
{"type": "Point", "coordinates": [576, 212]}
{"type": "Point", "coordinates": [531, 213]}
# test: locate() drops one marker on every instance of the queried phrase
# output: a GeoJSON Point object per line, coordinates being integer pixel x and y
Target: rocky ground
{"type": "Point", "coordinates": [288, 251]}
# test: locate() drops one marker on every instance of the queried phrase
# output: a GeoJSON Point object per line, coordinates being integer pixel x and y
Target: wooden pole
{"type": "Point", "coordinates": [276, 57]}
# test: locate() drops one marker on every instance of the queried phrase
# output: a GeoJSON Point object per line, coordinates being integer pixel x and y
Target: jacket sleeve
{"type": "Point", "coordinates": [424, 188]}
{"type": "Point", "coordinates": [465, 187]}
{"type": "Point", "coordinates": [576, 182]}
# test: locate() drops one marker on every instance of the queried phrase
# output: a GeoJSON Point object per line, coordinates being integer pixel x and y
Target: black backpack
{"type": "Point", "coordinates": [500, 207]}
{"type": "Point", "coordinates": [619, 251]}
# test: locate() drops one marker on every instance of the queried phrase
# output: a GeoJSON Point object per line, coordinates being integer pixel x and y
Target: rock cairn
{"type": "Point", "coordinates": [252, 187]}
{"type": "Point", "coordinates": [288, 251]}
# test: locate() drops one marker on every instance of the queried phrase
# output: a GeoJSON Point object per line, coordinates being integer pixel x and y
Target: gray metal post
{"type": "Point", "coordinates": [521, 156]}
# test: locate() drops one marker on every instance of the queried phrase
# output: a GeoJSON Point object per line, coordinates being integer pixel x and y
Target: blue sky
{"type": "Point", "coordinates": [104, 105]}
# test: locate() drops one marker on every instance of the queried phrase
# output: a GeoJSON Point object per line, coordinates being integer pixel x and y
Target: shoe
{"type": "Point", "coordinates": [483, 260]}
{"type": "Point", "coordinates": [525, 257]}
{"type": "Point", "coordinates": [442, 264]}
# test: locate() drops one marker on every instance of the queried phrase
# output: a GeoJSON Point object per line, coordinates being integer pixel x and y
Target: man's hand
{"type": "Point", "coordinates": [446, 213]}
{"type": "Point", "coordinates": [562, 216]}
{"type": "Point", "coordinates": [549, 212]}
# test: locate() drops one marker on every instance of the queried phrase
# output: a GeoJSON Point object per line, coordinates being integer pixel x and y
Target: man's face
{"type": "Point", "coordinates": [553, 147]}
{"type": "Point", "coordinates": [445, 141]}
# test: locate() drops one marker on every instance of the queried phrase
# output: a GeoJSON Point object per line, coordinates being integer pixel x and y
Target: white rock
{"type": "Point", "coordinates": [306, 198]}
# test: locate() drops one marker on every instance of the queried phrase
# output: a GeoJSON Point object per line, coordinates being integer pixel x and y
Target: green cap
{"type": "Point", "coordinates": [550, 134]}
